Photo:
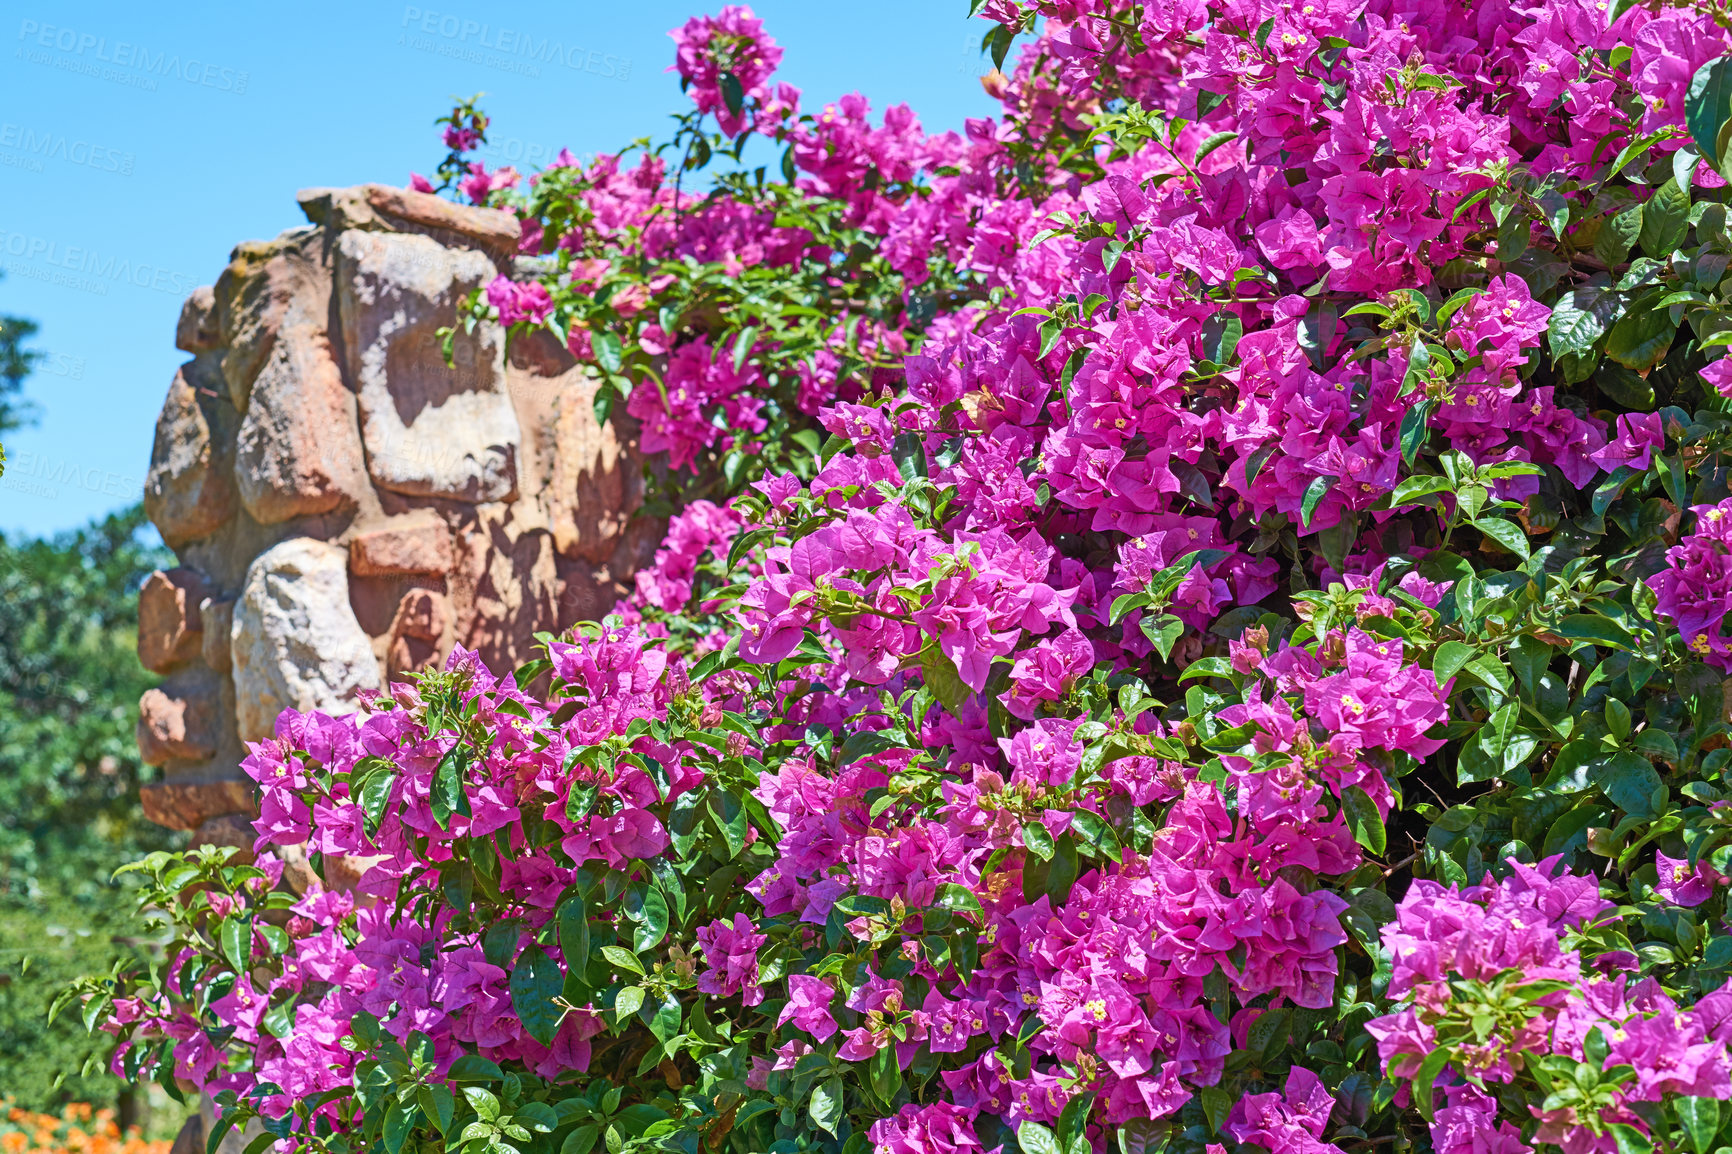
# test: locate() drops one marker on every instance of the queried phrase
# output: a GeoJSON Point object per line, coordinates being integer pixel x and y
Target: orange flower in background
{"type": "Point", "coordinates": [80, 1129]}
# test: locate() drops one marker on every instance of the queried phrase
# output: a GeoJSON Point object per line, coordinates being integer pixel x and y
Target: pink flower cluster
{"type": "Point", "coordinates": [1695, 588]}
{"type": "Point", "coordinates": [1517, 927]}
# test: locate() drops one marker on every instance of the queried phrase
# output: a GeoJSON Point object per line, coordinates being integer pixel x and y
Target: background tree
{"type": "Point", "coordinates": [69, 771]}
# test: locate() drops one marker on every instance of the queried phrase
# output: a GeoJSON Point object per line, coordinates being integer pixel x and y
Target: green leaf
{"type": "Point", "coordinates": [627, 1002]}
{"type": "Point", "coordinates": [1629, 781]}
{"type": "Point", "coordinates": [1037, 839]}
{"type": "Point", "coordinates": [447, 796]}
{"type": "Point", "coordinates": [1701, 1119]}
{"type": "Point", "coordinates": [608, 350]}
{"type": "Point", "coordinates": [535, 983]}
{"type": "Point", "coordinates": [1707, 106]}
{"type": "Point", "coordinates": [1629, 1139]}
{"type": "Point", "coordinates": [1416, 430]}
{"type": "Point", "coordinates": [581, 1140]}
{"type": "Point", "coordinates": [908, 451]}
{"type": "Point", "coordinates": [999, 41]}
{"type": "Point", "coordinates": [1037, 1139]}
{"type": "Point", "coordinates": [538, 1116]}
{"type": "Point", "coordinates": [236, 938]}
{"type": "Point", "coordinates": [1163, 632]}
{"type": "Point", "coordinates": [733, 92]}
{"type": "Point", "coordinates": [1214, 141]}
{"type": "Point", "coordinates": [574, 933]}
{"type": "Point", "coordinates": [826, 1105]}
{"type": "Point", "coordinates": [958, 899]}
{"type": "Point", "coordinates": [1505, 533]}
{"type": "Point", "coordinates": [475, 1068]}
{"type": "Point", "coordinates": [375, 795]}
{"type": "Point", "coordinates": [1580, 318]}
{"type": "Point", "coordinates": [399, 1124]}
{"type": "Point", "coordinates": [623, 959]}
{"type": "Point", "coordinates": [1449, 659]}
{"type": "Point", "coordinates": [1425, 1080]}
{"type": "Point", "coordinates": [1364, 820]}
{"type": "Point", "coordinates": [1217, 1104]}
{"type": "Point", "coordinates": [665, 1022]}
{"type": "Point", "coordinates": [1639, 341]}
{"type": "Point", "coordinates": [1665, 217]}
{"type": "Point", "coordinates": [1598, 630]}
{"type": "Point", "coordinates": [1314, 494]}
{"type": "Point", "coordinates": [1618, 235]}
{"type": "Point", "coordinates": [654, 925]}
{"type": "Point", "coordinates": [942, 678]}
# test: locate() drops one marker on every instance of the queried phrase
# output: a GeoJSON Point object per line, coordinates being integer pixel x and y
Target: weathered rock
{"type": "Point", "coordinates": [298, 868]}
{"type": "Point", "coordinates": [382, 208]}
{"type": "Point", "coordinates": [298, 453]}
{"type": "Point", "coordinates": [416, 543]}
{"type": "Point", "coordinates": [231, 829]}
{"type": "Point", "coordinates": [345, 871]}
{"type": "Point", "coordinates": [295, 642]}
{"type": "Point", "coordinates": [430, 430]}
{"type": "Point", "coordinates": [218, 617]}
{"type": "Point", "coordinates": [177, 721]}
{"type": "Point", "coordinates": [170, 630]}
{"type": "Point", "coordinates": [187, 803]}
{"type": "Point", "coordinates": [590, 478]}
{"type": "Point", "coordinates": [268, 284]}
{"type": "Point", "coordinates": [199, 330]}
{"type": "Point", "coordinates": [418, 632]}
{"type": "Point", "coordinates": [190, 489]}
{"type": "Point", "coordinates": [505, 586]}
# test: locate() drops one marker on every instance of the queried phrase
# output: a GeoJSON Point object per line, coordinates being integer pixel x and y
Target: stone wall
{"type": "Point", "coordinates": [345, 506]}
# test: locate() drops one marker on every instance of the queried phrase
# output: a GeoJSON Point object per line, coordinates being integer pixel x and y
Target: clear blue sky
{"type": "Point", "coordinates": [139, 144]}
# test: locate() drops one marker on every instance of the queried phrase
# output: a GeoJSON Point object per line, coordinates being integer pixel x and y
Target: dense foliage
{"type": "Point", "coordinates": [1196, 615]}
{"type": "Point", "coordinates": [69, 773]}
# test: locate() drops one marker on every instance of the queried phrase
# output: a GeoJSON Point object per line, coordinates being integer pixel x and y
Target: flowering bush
{"type": "Point", "coordinates": [1194, 618]}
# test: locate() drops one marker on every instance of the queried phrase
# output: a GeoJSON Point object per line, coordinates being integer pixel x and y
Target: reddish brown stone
{"type": "Point", "coordinates": [170, 630]}
{"type": "Point", "coordinates": [189, 803]}
{"type": "Point", "coordinates": [417, 543]}
{"type": "Point", "coordinates": [384, 208]}
{"type": "Point", "coordinates": [177, 721]}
